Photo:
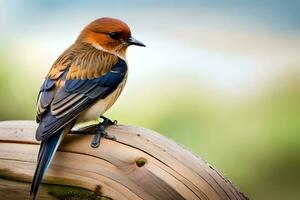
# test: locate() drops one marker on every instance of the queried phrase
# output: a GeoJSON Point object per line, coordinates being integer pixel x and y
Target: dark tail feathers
{"type": "Point", "coordinates": [46, 153]}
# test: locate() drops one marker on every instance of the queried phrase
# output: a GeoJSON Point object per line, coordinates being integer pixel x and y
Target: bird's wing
{"type": "Point", "coordinates": [64, 97]}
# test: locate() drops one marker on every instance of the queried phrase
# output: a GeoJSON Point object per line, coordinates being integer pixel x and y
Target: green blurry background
{"type": "Point", "coordinates": [221, 78]}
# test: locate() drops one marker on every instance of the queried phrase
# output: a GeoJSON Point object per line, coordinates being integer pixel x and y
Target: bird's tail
{"type": "Point", "coordinates": [47, 150]}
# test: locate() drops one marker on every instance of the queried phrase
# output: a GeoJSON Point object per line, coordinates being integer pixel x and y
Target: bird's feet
{"type": "Point", "coordinates": [100, 131]}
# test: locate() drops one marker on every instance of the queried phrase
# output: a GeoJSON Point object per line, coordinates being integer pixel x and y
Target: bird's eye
{"type": "Point", "coordinates": [114, 35]}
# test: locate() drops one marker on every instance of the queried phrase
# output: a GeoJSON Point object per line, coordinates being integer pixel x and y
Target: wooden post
{"type": "Point", "coordinates": [140, 164]}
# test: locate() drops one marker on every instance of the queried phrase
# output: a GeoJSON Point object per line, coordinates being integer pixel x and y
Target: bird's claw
{"type": "Point", "coordinates": [96, 139]}
{"type": "Point", "coordinates": [110, 137]}
{"type": "Point", "coordinates": [100, 131]}
{"type": "Point", "coordinates": [109, 121]}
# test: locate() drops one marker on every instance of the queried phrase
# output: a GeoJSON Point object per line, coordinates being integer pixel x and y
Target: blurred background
{"type": "Point", "coordinates": [219, 77]}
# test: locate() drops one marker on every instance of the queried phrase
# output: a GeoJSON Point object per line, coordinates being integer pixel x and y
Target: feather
{"type": "Point", "coordinates": [47, 150]}
{"type": "Point", "coordinates": [67, 98]}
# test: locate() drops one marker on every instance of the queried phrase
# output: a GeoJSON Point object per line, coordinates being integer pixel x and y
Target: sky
{"type": "Point", "coordinates": [232, 47]}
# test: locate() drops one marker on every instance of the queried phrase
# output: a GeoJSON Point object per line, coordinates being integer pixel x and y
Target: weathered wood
{"type": "Point", "coordinates": [20, 190]}
{"type": "Point", "coordinates": [141, 164]}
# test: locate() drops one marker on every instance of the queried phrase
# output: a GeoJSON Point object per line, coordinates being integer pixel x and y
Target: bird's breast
{"type": "Point", "coordinates": [92, 114]}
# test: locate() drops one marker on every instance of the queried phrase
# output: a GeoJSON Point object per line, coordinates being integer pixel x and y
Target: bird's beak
{"type": "Point", "coordinates": [133, 41]}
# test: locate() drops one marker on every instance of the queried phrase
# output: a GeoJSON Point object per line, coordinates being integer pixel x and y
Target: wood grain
{"type": "Point", "coordinates": [141, 164]}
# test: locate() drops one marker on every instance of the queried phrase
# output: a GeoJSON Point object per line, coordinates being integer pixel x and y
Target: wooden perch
{"type": "Point", "coordinates": [141, 164]}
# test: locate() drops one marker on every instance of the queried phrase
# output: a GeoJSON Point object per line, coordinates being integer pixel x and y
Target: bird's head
{"type": "Point", "coordinates": [108, 34]}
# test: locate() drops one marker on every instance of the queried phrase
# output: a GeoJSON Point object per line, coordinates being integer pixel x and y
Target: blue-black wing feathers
{"type": "Point", "coordinates": [74, 97]}
{"type": "Point", "coordinates": [46, 153]}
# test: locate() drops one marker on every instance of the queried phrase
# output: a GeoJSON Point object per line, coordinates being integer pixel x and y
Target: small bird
{"type": "Point", "coordinates": [81, 85]}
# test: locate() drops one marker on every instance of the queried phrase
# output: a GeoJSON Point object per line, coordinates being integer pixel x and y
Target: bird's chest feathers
{"type": "Point", "coordinates": [92, 114]}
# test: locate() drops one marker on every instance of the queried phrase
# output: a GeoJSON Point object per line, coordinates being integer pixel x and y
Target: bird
{"type": "Point", "coordinates": [82, 84]}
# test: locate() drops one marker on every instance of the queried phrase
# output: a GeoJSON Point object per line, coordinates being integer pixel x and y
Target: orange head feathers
{"type": "Point", "coordinates": [108, 34]}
